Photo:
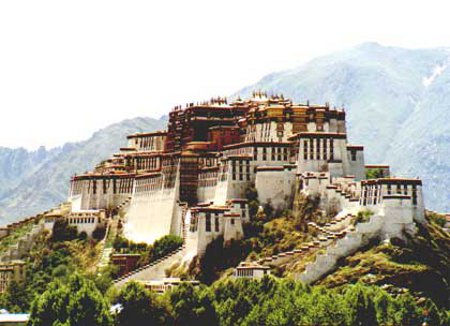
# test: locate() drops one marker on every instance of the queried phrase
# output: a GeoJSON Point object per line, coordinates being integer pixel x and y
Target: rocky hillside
{"type": "Point", "coordinates": [35, 181]}
{"type": "Point", "coordinates": [397, 102]}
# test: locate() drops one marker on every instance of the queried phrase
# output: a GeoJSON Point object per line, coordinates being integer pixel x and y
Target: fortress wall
{"type": "Point", "coordinates": [206, 193]}
{"type": "Point", "coordinates": [207, 184]}
{"type": "Point", "coordinates": [240, 206]}
{"type": "Point", "coordinates": [354, 162]}
{"type": "Point", "coordinates": [275, 186]}
{"type": "Point", "coordinates": [199, 237]}
{"type": "Point", "coordinates": [232, 227]}
{"type": "Point", "coordinates": [154, 211]}
{"type": "Point", "coordinates": [100, 193]}
{"type": "Point", "coordinates": [398, 216]}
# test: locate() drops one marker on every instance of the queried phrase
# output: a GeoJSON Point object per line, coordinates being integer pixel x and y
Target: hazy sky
{"type": "Point", "coordinates": [68, 68]}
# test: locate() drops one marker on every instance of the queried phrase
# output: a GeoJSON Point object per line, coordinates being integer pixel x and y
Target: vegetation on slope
{"type": "Point", "coordinates": [268, 301]}
{"type": "Point", "coordinates": [421, 264]}
{"type": "Point", "coordinates": [269, 232]}
{"type": "Point", "coordinates": [53, 258]}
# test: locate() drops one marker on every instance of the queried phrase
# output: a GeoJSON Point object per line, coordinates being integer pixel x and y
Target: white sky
{"type": "Point", "coordinates": [68, 68]}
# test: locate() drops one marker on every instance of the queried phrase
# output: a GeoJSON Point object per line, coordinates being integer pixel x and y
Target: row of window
{"type": "Point", "coordinates": [321, 149]}
{"type": "Point", "coordinates": [209, 218]}
{"type": "Point", "coordinates": [147, 163]}
{"type": "Point", "coordinates": [276, 153]}
{"type": "Point", "coordinates": [149, 143]}
{"type": "Point", "coordinates": [119, 186]}
{"type": "Point", "coordinates": [82, 220]}
{"type": "Point", "coordinates": [372, 194]}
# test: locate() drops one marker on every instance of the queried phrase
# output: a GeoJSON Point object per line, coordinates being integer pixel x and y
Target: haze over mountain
{"type": "Point", "coordinates": [397, 102]}
{"type": "Point", "coordinates": [34, 181]}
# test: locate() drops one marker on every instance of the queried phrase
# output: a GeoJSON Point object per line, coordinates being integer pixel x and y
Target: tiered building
{"type": "Point", "coordinates": [190, 179]}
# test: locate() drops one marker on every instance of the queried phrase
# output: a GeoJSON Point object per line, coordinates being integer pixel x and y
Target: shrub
{"type": "Point", "coordinates": [99, 232]}
{"type": "Point", "coordinates": [62, 231]}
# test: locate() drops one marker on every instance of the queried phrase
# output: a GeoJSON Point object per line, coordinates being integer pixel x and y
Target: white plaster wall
{"type": "Point", "coordinates": [355, 168]}
{"type": "Point", "coordinates": [275, 186]}
{"type": "Point", "coordinates": [232, 231]}
{"type": "Point", "coordinates": [153, 214]}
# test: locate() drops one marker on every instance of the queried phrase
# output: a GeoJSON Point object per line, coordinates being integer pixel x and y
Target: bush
{"type": "Point", "coordinates": [374, 173]}
{"type": "Point", "coordinates": [164, 246]}
{"type": "Point", "coordinates": [99, 232]}
{"type": "Point", "coordinates": [83, 235]}
{"type": "Point", "coordinates": [62, 231]}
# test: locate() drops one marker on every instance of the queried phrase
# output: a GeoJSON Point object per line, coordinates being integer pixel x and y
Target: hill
{"type": "Point", "coordinates": [34, 181]}
{"type": "Point", "coordinates": [396, 101]}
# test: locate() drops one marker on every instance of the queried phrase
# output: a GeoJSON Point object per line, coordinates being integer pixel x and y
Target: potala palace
{"type": "Point", "coordinates": [190, 180]}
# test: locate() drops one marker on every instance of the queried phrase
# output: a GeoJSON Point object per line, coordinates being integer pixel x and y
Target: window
{"type": "Point", "coordinates": [318, 149]}
{"type": "Point", "coordinates": [331, 149]}
{"type": "Point", "coordinates": [208, 222]}
{"type": "Point", "coordinates": [305, 149]}
{"type": "Point", "coordinates": [216, 224]}
{"type": "Point", "coordinates": [232, 221]}
{"type": "Point", "coordinates": [414, 195]}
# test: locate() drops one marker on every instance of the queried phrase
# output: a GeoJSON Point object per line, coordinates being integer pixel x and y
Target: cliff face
{"type": "Point", "coordinates": [397, 103]}
{"type": "Point", "coordinates": [35, 181]}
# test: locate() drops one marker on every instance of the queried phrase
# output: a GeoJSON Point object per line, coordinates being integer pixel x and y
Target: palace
{"type": "Point", "coordinates": [190, 180]}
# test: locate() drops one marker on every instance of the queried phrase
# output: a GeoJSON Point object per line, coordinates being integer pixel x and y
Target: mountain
{"type": "Point", "coordinates": [34, 181]}
{"type": "Point", "coordinates": [397, 103]}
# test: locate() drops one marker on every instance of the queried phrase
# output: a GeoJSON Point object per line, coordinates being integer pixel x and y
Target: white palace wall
{"type": "Point", "coordinates": [276, 185]}
{"type": "Point", "coordinates": [154, 211]}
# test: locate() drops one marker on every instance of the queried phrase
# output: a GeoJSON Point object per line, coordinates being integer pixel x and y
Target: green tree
{"type": "Point", "coordinates": [251, 194]}
{"type": "Point", "coordinates": [51, 307]}
{"type": "Point", "coordinates": [78, 303]}
{"type": "Point", "coordinates": [362, 308]}
{"type": "Point", "coordinates": [407, 312]}
{"type": "Point", "coordinates": [17, 298]}
{"type": "Point", "coordinates": [139, 307]}
{"type": "Point", "coordinates": [192, 306]}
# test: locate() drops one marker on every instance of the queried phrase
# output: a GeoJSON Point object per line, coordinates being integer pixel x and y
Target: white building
{"type": "Point", "coordinates": [251, 270]}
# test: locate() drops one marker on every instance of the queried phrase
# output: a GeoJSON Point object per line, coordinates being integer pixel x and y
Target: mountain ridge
{"type": "Point", "coordinates": [396, 104]}
{"type": "Point", "coordinates": [47, 183]}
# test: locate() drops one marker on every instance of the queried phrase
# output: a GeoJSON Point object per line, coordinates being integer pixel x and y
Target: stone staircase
{"type": "Point", "coordinates": [340, 224]}
{"type": "Point", "coordinates": [322, 241]}
{"type": "Point", "coordinates": [156, 270]}
{"type": "Point", "coordinates": [353, 240]}
{"type": "Point", "coordinates": [125, 204]}
{"type": "Point", "coordinates": [110, 234]}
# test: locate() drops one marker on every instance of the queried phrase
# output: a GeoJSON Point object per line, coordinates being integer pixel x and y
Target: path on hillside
{"type": "Point", "coordinates": [108, 248]}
